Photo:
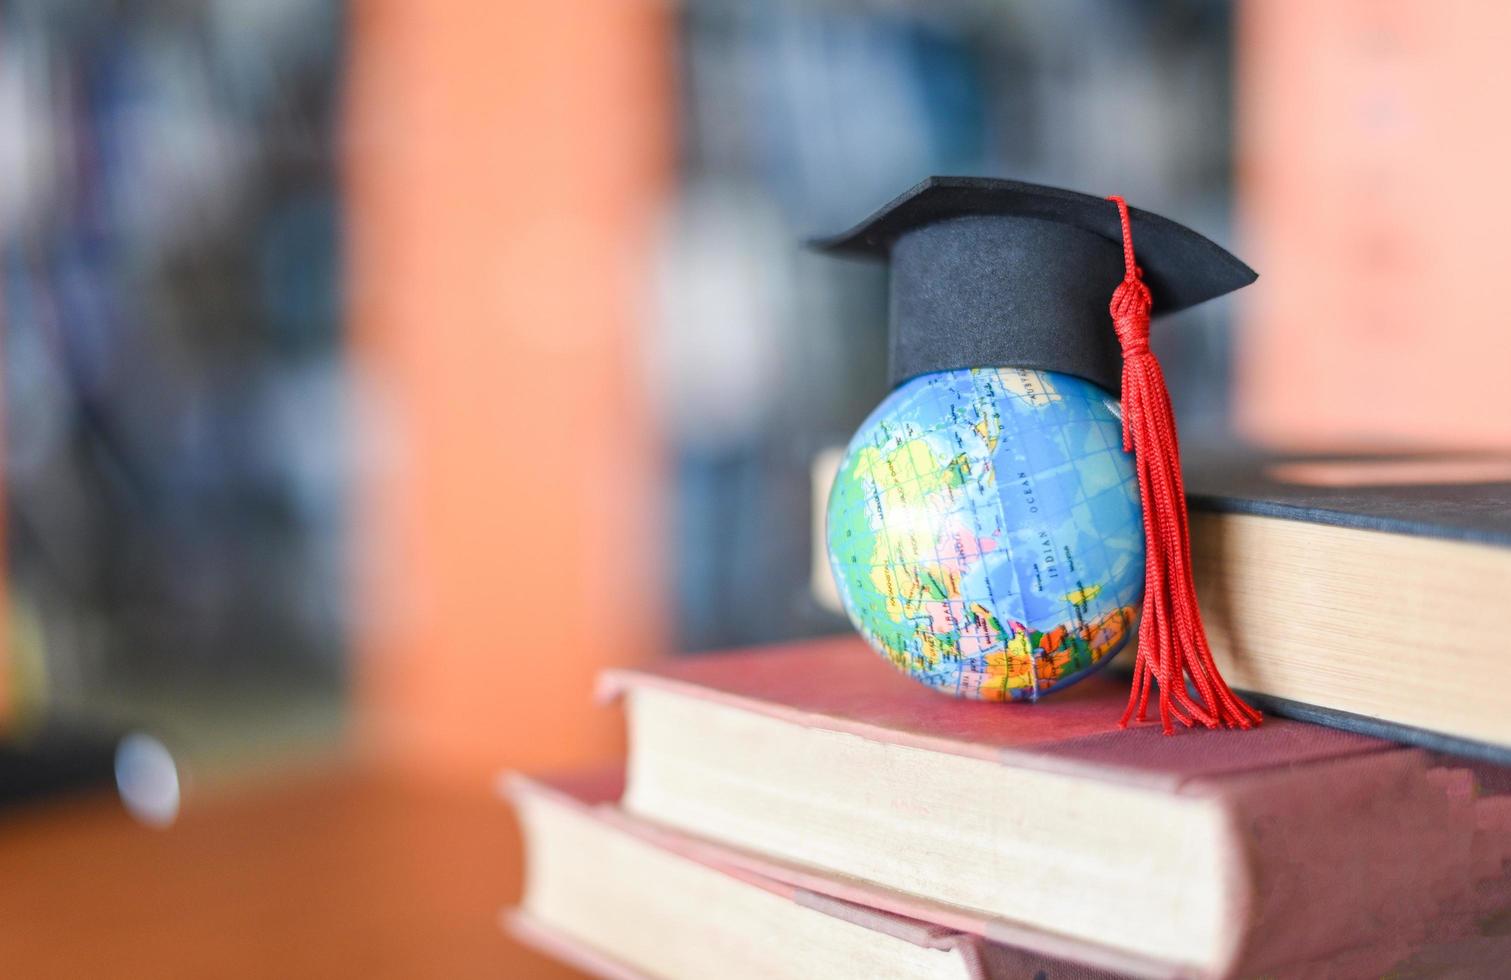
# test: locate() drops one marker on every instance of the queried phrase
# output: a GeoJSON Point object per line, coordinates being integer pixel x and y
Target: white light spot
{"type": "Point", "coordinates": [147, 778]}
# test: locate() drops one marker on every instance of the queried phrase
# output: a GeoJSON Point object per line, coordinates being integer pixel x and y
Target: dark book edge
{"type": "Point", "coordinates": [1313, 514]}
{"type": "Point", "coordinates": [1423, 738]}
{"type": "Point", "coordinates": [1239, 480]}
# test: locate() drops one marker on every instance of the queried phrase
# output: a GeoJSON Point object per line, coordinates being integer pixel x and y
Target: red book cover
{"type": "Point", "coordinates": [1391, 837]}
{"type": "Point", "coordinates": [839, 684]}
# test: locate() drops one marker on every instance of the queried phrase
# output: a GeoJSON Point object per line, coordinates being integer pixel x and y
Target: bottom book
{"type": "Point", "coordinates": [618, 904]}
{"type": "Point", "coordinates": [619, 897]}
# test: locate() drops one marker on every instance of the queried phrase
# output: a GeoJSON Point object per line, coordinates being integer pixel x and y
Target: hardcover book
{"type": "Point", "coordinates": [1367, 592]}
{"type": "Point", "coordinates": [624, 901]}
{"type": "Point", "coordinates": [1045, 827]}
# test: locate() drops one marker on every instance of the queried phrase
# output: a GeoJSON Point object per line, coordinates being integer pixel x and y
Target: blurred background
{"type": "Point", "coordinates": [377, 372]}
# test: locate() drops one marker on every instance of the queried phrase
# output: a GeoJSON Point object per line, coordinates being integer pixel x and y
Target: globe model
{"type": "Point", "coordinates": [984, 531]}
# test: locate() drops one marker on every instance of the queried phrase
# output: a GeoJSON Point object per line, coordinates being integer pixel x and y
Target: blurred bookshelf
{"type": "Point", "coordinates": [174, 472]}
{"type": "Point", "coordinates": [181, 411]}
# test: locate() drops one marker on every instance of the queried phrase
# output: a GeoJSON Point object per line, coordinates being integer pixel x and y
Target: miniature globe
{"type": "Point", "coordinates": [984, 531]}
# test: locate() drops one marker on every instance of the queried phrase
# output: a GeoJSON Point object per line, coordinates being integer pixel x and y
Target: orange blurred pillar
{"type": "Point", "coordinates": [1370, 162]}
{"type": "Point", "coordinates": [503, 163]}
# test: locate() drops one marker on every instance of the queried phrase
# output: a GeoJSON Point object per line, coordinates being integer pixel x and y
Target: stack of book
{"type": "Point", "coordinates": [806, 811]}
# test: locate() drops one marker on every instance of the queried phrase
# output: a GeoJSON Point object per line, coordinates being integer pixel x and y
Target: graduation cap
{"type": "Point", "coordinates": [988, 272]}
{"type": "Point", "coordinates": [997, 273]}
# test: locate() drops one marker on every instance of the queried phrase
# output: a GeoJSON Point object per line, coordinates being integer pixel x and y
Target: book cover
{"type": "Point", "coordinates": [1454, 496]}
{"type": "Point", "coordinates": [1331, 836]}
{"type": "Point", "coordinates": [840, 684]}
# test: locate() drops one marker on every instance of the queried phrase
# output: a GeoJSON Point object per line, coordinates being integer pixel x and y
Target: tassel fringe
{"type": "Point", "coordinates": [1172, 641]}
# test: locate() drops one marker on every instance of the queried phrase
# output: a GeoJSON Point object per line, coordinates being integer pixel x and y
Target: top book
{"type": "Point", "coordinates": [1366, 592]}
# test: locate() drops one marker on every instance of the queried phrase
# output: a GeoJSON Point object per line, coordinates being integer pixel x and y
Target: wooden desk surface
{"type": "Point", "coordinates": [345, 874]}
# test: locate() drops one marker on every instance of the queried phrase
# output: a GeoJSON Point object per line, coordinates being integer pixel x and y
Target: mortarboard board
{"type": "Point", "coordinates": [989, 273]}
{"type": "Point", "coordinates": [997, 272]}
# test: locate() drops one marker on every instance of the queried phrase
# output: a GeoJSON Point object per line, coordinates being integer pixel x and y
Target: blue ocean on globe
{"type": "Point", "coordinates": [984, 531]}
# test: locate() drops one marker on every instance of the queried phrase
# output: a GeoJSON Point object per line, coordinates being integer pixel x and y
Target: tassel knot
{"type": "Point", "coordinates": [1130, 308]}
{"type": "Point", "coordinates": [1172, 641]}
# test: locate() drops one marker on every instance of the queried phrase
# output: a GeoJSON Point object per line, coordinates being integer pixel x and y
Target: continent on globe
{"type": "Point", "coordinates": [984, 531]}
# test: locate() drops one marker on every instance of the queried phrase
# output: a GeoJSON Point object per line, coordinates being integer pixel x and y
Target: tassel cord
{"type": "Point", "coordinates": [1172, 639]}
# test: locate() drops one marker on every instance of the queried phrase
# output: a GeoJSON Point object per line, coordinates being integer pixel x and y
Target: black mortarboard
{"type": "Point", "coordinates": [997, 273]}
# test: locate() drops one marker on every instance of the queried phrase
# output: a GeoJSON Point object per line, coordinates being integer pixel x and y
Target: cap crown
{"type": "Point", "coordinates": [999, 273]}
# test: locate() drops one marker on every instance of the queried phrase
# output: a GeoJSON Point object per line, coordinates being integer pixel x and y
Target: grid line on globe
{"type": "Point", "coordinates": [984, 531]}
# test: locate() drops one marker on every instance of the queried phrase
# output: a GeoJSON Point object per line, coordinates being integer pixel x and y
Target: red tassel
{"type": "Point", "coordinates": [1172, 640]}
